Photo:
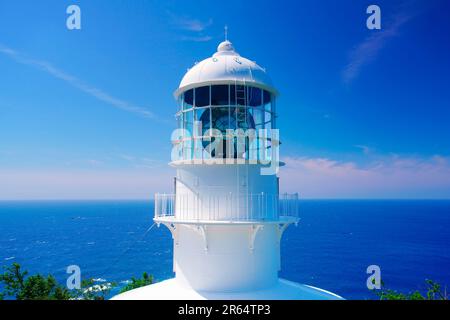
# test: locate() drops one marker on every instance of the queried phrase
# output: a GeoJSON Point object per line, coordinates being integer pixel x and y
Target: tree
{"type": "Point", "coordinates": [137, 283]}
{"type": "Point", "coordinates": [35, 287]}
{"type": "Point", "coordinates": [434, 292]}
{"type": "Point", "coordinates": [22, 286]}
{"type": "Point", "coordinates": [13, 279]}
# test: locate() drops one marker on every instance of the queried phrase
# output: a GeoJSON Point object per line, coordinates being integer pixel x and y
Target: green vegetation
{"type": "Point", "coordinates": [19, 284]}
{"type": "Point", "coordinates": [434, 291]}
{"type": "Point", "coordinates": [137, 283]}
{"type": "Point", "coordinates": [22, 286]}
{"type": "Point", "coordinates": [36, 287]}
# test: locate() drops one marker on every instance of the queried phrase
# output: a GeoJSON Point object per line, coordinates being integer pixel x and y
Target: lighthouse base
{"type": "Point", "coordinates": [172, 290]}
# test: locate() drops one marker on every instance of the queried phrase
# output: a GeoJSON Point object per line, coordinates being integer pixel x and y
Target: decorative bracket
{"type": "Point", "coordinates": [281, 227]}
{"type": "Point", "coordinates": [253, 232]}
{"type": "Point", "coordinates": [203, 232]}
{"type": "Point", "coordinates": [173, 230]}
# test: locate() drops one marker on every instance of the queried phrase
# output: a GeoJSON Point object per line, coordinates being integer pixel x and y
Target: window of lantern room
{"type": "Point", "coordinates": [254, 97]}
{"type": "Point", "coordinates": [188, 99]}
{"type": "Point", "coordinates": [202, 115]}
{"type": "Point", "coordinates": [266, 101]}
{"type": "Point", "coordinates": [220, 95]}
{"type": "Point", "coordinates": [225, 107]}
{"type": "Point", "coordinates": [202, 96]}
{"type": "Point", "coordinates": [268, 118]}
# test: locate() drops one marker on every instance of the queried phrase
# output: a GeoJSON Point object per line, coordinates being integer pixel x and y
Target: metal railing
{"type": "Point", "coordinates": [228, 207]}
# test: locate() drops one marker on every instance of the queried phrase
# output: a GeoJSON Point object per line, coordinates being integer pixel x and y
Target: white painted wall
{"type": "Point", "coordinates": [226, 257]}
{"type": "Point", "coordinates": [223, 260]}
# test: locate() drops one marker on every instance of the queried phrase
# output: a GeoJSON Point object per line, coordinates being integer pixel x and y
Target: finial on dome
{"type": "Point", "coordinates": [225, 46]}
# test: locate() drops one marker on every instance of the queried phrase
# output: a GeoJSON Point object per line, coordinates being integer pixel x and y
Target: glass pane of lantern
{"type": "Point", "coordinates": [188, 121]}
{"type": "Point", "coordinates": [268, 119]}
{"type": "Point", "coordinates": [202, 96]}
{"type": "Point", "coordinates": [266, 97]}
{"type": "Point", "coordinates": [253, 96]}
{"type": "Point", "coordinates": [198, 148]}
{"type": "Point", "coordinates": [219, 95]}
{"type": "Point", "coordinates": [187, 149]}
{"type": "Point", "coordinates": [188, 101]}
{"type": "Point", "coordinates": [232, 95]}
{"type": "Point", "coordinates": [267, 100]}
{"type": "Point", "coordinates": [258, 117]}
{"type": "Point", "coordinates": [221, 119]}
{"type": "Point", "coordinates": [203, 115]}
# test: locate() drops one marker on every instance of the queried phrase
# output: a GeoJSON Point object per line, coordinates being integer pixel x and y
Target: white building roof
{"type": "Point", "coordinates": [172, 290]}
{"type": "Point", "coordinates": [226, 66]}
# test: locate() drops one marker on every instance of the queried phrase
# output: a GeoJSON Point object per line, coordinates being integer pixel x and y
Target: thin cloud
{"type": "Point", "coordinates": [365, 149]}
{"type": "Point", "coordinates": [386, 177]}
{"type": "Point", "coordinates": [189, 24]}
{"type": "Point", "coordinates": [83, 184]}
{"type": "Point", "coordinates": [94, 162]}
{"type": "Point", "coordinates": [195, 28]}
{"type": "Point", "coordinates": [77, 83]}
{"type": "Point", "coordinates": [196, 38]}
{"type": "Point", "coordinates": [142, 162]}
{"type": "Point", "coordinates": [127, 157]}
{"type": "Point", "coordinates": [367, 51]}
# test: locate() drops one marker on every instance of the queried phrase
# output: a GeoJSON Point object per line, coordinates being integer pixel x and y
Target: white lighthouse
{"type": "Point", "coordinates": [226, 214]}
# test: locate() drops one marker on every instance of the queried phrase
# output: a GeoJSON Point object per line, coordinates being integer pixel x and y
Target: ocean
{"type": "Point", "coordinates": [334, 243]}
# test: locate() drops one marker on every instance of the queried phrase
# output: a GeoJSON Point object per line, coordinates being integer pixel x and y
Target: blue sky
{"type": "Point", "coordinates": [87, 114]}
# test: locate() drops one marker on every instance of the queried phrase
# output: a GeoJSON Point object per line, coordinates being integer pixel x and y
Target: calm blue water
{"type": "Point", "coordinates": [331, 248]}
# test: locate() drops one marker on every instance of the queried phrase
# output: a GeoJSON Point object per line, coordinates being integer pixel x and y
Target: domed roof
{"type": "Point", "coordinates": [225, 66]}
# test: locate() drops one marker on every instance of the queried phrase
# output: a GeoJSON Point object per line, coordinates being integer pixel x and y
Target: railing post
{"type": "Point", "coordinates": [261, 213]}
{"type": "Point", "coordinates": [156, 206]}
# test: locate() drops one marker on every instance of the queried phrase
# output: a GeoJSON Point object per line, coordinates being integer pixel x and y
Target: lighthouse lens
{"type": "Point", "coordinates": [223, 119]}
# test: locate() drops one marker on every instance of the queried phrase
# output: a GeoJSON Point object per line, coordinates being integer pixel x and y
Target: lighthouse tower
{"type": "Point", "coordinates": [226, 214]}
